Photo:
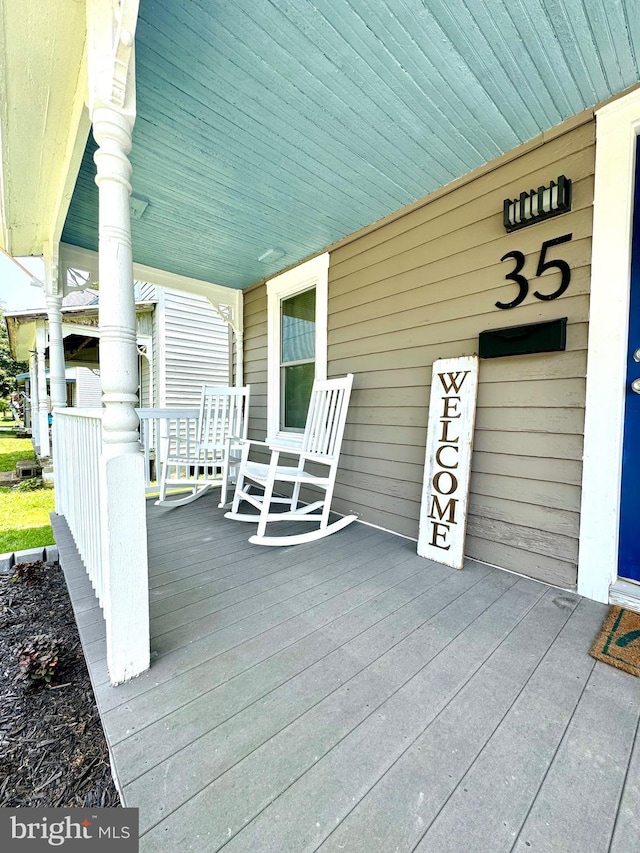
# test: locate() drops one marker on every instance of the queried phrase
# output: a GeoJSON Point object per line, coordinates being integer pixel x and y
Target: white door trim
{"type": "Point", "coordinates": [617, 126]}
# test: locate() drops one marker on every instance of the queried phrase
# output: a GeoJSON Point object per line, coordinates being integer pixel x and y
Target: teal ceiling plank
{"type": "Point", "coordinates": [545, 52]}
{"type": "Point", "coordinates": [290, 124]}
{"type": "Point", "coordinates": [632, 23]}
{"type": "Point", "coordinates": [320, 69]}
{"type": "Point", "coordinates": [261, 125]}
{"type": "Point", "coordinates": [281, 73]}
{"type": "Point", "coordinates": [457, 19]}
{"type": "Point", "coordinates": [204, 229]}
{"type": "Point", "coordinates": [258, 181]}
{"type": "Point", "coordinates": [397, 105]}
{"type": "Point", "coordinates": [254, 181]}
{"type": "Point", "coordinates": [429, 67]}
{"type": "Point", "coordinates": [517, 47]}
{"type": "Point", "coordinates": [574, 33]}
{"type": "Point", "coordinates": [435, 61]}
{"type": "Point", "coordinates": [609, 24]}
{"type": "Point", "coordinates": [226, 207]}
{"type": "Point", "coordinates": [186, 198]}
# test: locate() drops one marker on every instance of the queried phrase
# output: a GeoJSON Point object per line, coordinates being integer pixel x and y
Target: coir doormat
{"type": "Point", "coordinates": [618, 643]}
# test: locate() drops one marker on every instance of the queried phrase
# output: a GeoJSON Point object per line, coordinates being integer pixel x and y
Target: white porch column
{"type": "Point", "coordinates": [112, 109]}
{"type": "Point", "coordinates": [44, 447]}
{"type": "Point", "coordinates": [33, 399]}
{"type": "Point", "coordinates": [53, 297]}
{"type": "Point", "coordinates": [57, 374]}
{"type": "Point", "coordinates": [239, 357]}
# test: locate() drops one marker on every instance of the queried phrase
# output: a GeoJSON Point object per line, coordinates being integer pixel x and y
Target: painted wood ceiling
{"type": "Point", "coordinates": [289, 124]}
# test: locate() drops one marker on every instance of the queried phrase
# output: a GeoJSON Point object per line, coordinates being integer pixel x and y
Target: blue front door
{"type": "Point", "coordinates": [629, 548]}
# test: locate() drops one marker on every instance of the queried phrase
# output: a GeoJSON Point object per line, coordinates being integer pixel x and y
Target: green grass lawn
{"type": "Point", "coordinates": [14, 450]}
{"type": "Point", "coordinates": [24, 516]}
{"type": "Point", "coordinates": [24, 519]}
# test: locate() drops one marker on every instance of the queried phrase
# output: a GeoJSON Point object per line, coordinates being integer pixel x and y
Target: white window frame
{"type": "Point", "coordinates": [313, 273]}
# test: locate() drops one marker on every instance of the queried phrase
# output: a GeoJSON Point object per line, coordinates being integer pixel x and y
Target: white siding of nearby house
{"type": "Point", "coordinates": [88, 390]}
{"type": "Point", "coordinates": [191, 347]}
{"type": "Point", "coordinates": [146, 399]}
{"type": "Point", "coordinates": [195, 348]}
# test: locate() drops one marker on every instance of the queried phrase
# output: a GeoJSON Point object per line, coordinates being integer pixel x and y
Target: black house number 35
{"type": "Point", "coordinates": [544, 264]}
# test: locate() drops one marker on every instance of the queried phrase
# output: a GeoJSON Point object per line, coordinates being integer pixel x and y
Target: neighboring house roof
{"type": "Point", "coordinates": [21, 327]}
{"type": "Point", "coordinates": [70, 375]}
{"type": "Point", "coordinates": [80, 297]}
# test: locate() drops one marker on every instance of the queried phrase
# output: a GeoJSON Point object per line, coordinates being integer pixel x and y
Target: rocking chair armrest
{"type": "Point", "coordinates": [274, 449]}
{"type": "Point", "coordinates": [245, 445]}
{"type": "Point", "coordinates": [234, 441]}
{"type": "Point", "coordinates": [280, 448]}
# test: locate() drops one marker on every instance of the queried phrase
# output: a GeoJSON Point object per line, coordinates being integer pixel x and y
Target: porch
{"type": "Point", "coordinates": [350, 695]}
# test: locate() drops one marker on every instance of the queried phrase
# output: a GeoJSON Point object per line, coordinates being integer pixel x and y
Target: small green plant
{"type": "Point", "coordinates": [26, 572]}
{"type": "Point", "coordinates": [39, 658]}
{"type": "Point", "coordinates": [30, 484]}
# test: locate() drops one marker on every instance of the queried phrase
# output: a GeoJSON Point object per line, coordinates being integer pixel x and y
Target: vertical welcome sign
{"type": "Point", "coordinates": [447, 468]}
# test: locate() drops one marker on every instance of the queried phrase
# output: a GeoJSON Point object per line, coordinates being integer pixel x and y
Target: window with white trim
{"type": "Point", "coordinates": [296, 344]}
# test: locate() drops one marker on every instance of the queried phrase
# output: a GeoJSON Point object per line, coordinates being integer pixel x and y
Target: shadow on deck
{"type": "Point", "coordinates": [348, 695]}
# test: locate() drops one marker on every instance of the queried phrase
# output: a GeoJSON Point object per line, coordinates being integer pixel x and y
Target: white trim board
{"type": "Point", "coordinates": [86, 259]}
{"type": "Point", "coordinates": [617, 126]}
{"type": "Point", "coordinates": [625, 594]}
{"type": "Point", "coordinates": [313, 273]}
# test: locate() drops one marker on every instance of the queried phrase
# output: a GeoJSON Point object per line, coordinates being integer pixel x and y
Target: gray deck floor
{"type": "Point", "coordinates": [348, 695]}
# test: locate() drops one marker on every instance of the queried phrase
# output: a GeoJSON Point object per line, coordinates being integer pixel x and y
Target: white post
{"type": "Point", "coordinates": [44, 448]}
{"type": "Point", "coordinates": [57, 372]}
{"type": "Point", "coordinates": [112, 109]}
{"type": "Point", "coordinates": [33, 399]}
{"type": "Point", "coordinates": [53, 296]}
{"type": "Point", "coordinates": [239, 356]}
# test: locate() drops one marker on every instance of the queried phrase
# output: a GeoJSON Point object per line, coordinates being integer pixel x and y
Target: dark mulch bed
{"type": "Point", "coordinates": [52, 747]}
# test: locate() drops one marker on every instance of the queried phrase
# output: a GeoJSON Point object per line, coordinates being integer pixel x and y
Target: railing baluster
{"type": "Point", "coordinates": [78, 443]}
{"type": "Point", "coordinates": [78, 448]}
{"type": "Point", "coordinates": [158, 429]}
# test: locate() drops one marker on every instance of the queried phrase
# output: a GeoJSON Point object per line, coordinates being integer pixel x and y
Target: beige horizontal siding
{"type": "Point", "coordinates": [422, 287]}
{"type": "Point", "coordinates": [255, 359]}
{"type": "Point", "coordinates": [484, 196]}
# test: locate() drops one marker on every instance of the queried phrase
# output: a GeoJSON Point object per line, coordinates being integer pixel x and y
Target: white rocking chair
{"type": "Point", "coordinates": [320, 446]}
{"type": "Point", "coordinates": [212, 457]}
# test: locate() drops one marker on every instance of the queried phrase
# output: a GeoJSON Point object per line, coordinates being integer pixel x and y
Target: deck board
{"type": "Point", "coordinates": [348, 695]}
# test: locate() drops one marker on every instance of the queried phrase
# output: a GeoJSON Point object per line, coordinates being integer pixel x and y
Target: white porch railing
{"type": "Point", "coordinates": [160, 428]}
{"type": "Point", "coordinates": [77, 442]}
{"type": "Point", "coordinates": [77, 437]}
{"type": "Point", "coordinates": [99, 527]}
{"type": "Point", "coordinates": [101, 496]}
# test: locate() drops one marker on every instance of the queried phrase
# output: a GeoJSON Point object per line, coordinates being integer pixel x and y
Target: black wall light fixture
{"type": "Point", "coordinates": [537, 205]}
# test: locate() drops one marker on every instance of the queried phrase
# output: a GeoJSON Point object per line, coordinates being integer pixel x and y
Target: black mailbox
{"type": "Point", "coordinates": [550, 336]}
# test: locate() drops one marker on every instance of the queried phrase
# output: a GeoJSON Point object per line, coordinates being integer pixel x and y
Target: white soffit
{"type": "Point", "coordinates": [43, 122]}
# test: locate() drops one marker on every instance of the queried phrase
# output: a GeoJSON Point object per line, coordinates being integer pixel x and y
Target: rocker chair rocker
{"type": "Point", "coordinates": [211, 458]}
{"type": "Point", "coordinates": [320, 447]}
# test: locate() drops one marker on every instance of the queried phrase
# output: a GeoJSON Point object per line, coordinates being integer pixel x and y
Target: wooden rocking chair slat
{"type": "Point", "coordinates": [321, 444]}
{"type": "Point", "coordinates": [210, 457]}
